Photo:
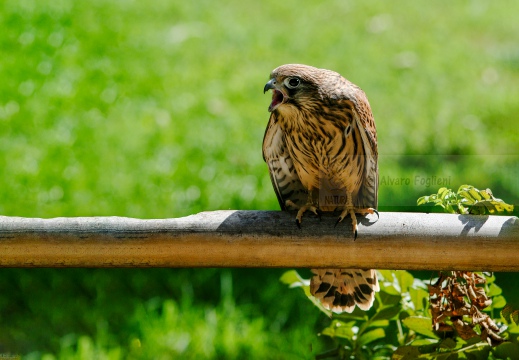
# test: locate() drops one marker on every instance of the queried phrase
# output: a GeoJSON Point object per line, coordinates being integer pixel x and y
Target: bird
{"type": "Point", "coordinates": [320, 146]}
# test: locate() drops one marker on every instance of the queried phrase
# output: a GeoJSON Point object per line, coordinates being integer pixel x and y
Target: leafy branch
{"type": "Point", "coordinates": [467, 200]}
{"type": "Point", "coordinates": [398, 326]}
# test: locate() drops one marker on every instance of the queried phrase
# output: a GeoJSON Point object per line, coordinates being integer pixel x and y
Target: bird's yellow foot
{"type": "Point", "coordinates": [352, 211]}
{"type": "Point", "coordinates": [302, 210]}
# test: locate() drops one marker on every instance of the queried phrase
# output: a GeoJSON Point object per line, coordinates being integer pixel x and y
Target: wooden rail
{"type": "Point", "coordinates": [413, 241]}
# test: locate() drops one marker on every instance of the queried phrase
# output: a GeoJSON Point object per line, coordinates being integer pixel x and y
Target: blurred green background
{"type": "Point", "coordinates": [155, 109]}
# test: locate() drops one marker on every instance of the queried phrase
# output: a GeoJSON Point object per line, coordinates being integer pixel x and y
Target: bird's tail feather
{"type": "Point", "coordinates": [339, 290]}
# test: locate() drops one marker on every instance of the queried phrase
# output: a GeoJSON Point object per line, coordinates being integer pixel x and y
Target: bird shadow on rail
{"type": "Point", "coordinates": [282, 223]}
{"type": "Point", "coordinates": [510, 227]}
{"type": "Point", "coordinates": [475, 222]}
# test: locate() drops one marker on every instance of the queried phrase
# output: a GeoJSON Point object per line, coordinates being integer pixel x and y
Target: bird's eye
{"type": "Point", "coordinates": [292, 82]}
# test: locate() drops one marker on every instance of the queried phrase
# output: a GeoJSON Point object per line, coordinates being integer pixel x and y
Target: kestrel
{"type": "Point", "coordinates": [320, 146]}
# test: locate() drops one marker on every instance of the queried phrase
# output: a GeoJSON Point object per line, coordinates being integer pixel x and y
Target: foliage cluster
{"type": "Point", "coordinates": [467, 200]}
{"type": "Point", "coordinates": [399, 325]}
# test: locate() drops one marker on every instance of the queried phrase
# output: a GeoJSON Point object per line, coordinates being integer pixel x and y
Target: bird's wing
{"type": "Point", "coordinates": [368, 193]}
{"type": "Point", "coordinates": [281, 167]}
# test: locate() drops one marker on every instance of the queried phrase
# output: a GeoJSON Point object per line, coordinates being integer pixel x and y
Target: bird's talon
{"type": "Point", "coordinates": [354, 234]}
{"type": "Point", "coordinates": [376, 212]}
{"type": "Point", "coordinates": [302, 209]}
{"type": "Point", "coordinates": [338, 221]}
{"type": "Point", "coordinates": [291, 203]}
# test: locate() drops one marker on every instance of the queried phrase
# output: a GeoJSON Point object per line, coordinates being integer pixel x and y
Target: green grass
{"type": "Point", "coordinates": [155, 109]}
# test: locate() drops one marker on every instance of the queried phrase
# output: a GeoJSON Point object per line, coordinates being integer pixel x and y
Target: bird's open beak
{"type": "Point", "coordinates": [269, 86]}
{"type": "Point", "coordinates": [278, 97]}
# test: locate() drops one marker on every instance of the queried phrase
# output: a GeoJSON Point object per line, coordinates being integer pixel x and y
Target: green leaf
{"type": "Point", "coordinates": [498, 302]}
{"type": "Point", "coordinates": [486, 194]}
{"type": "Point", "coordinates": [421, 325]}
{"type": "Point", "coordinates": [443, 192]}
{"type": "Point", "coordinates": [422, 200]}
{"type": "Point", "coordinates": [507, 350]}
{"type": "Point", "coordinates": [390, 289]}
{"type": "Point", "coordinates": [448, 208]}
{"type": "Point", "coordinates": [480, 352]}
{"type": "Point", "coordinates": [392, 297]}
{"type": "Point", "coordinates": [419, 299]}
{"type": "Point", "coordinates": [483, 201]}
{"type": "Point", "coordinates": [379, 323]}
{"type": "Point", "coordinates": [495, 207]}
{"type": "Point", "coordinates": [439, 202]}
{"type": "Point", "coordinates": [469, 194]}
{"type": "Point", "coordinates": [477, 209]}
{"type": "Point", "coordinates": [462, 209]}
{"type": "Point", "coordinates": [474, 193]}
{"type": "Point", "coordinates": [387, 313]}
{"type": "Point", "coordinates": [389, 283]}
{"type": "Point", "coordinates": [386, 275]}
{"type": "Point", "coordinates": [490, 279]}
{"type": "Point", "coordinates": [340, 329]}
{"type": "Point", "coordinates": [406, 353]}
{"type": "Point", "coordinates": [292, 279]}
{"type": "Point", "coordinates": [405, 280]}
{"type": "Point", "coordinates": [448, 344]}
{"type": "Point", "coordinates": [371, 336]}
{"type": "Point", "coordinates": [424, 342]}
{"type": "Point", "coordinates": [494, 290]}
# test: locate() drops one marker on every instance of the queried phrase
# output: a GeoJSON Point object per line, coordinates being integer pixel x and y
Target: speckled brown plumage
{"type": "Point", "coordinates": [320, 146]}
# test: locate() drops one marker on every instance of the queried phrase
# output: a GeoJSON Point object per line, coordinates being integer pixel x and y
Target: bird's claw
{"type": "Point", "coordinates": [349, 211]}
{"type": "Point", "coordinates": [302, 210]}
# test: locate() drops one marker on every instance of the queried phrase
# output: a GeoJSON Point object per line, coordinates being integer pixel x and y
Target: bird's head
{"type": "Point", "coordinates": [293, 85]}
{"type": "Point", "coordinates": [296, 86]}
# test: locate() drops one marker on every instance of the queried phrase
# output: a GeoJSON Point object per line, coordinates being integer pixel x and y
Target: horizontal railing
{"type": "Point", "coordinates": [412, 241]}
